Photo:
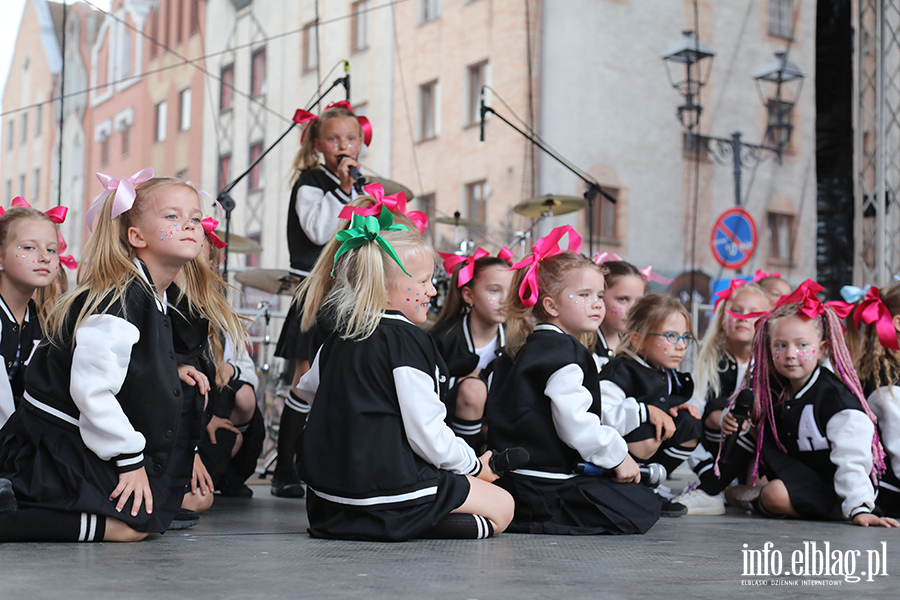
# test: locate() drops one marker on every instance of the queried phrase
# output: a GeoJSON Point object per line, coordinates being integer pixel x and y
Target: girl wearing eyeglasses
{"type": "Point", "coordinates": [644, 396]}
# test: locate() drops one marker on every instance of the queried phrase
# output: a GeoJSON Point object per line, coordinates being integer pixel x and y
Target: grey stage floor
{"type": "Point", "coordinates": [259, 549]}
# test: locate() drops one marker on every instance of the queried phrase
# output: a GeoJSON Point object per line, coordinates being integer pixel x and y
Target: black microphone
{"type": "Point", "coordinates": [359, 179]}
{"type": "Point", "coordinates": [652, 474]}
{"type": "Point", "coordinates": [741, 411]}
{"type": "Point", "coordinates": [510, 459]}
{"type": "Point", "coordinates": [483, 113]}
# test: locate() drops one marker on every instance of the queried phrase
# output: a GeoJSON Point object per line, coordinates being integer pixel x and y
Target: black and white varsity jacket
{"type": "Point", "coordinates": [629, 384]}
{"type": "Point", "coordinates": [885, 403]}
{"type": "Point", "coordinates": [548, 401]}
{"type": "Point", "coordinates": [316, 202]}
{"type": "Point", "coordinates": [17, 343]}
{"type": "Point", "coordinates": [115, 380]}
{"type": "Point", "coordinates": [376, 436]}
{"type": "Point", "coordinates": [455, 343]}
{"type": "Point", "coordinates": [602, 352]}
{"type": "Point", "coordinates": [824, 427]}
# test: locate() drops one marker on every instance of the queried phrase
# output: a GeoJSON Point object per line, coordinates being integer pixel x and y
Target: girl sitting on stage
{"type": "Point", "coordinates": [624, 285]}
{"type": "Point", "coordinates": [644, 396]}
{"type": "Point", "coordinates": [29, 261]}
{"type": "Point", "coordinates": [469, 334]}
{"type": "Point", "coordinates": [320, 191]}
{"type": "Point", "coordinates": [878, 365]}
{"type": "Point", "coordinates": [545, 397]}
{"type": "Point", "coordinates": [103, 446]}
{"type": "Point", "coordinates": [814, 429]}
{"type": "Point", "coordinates": [721, 365]}
{"type": "Point", "coordinates": [379, 462]}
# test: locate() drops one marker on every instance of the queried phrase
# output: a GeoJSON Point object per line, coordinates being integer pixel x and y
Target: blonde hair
{"type": "Point", "coordinates": [359, 297]}
{"type": "Point", "coordinates": [551, 273]}
{"type": "Point", "coordinates": [313, 291]}
{"type": "Point", "coordinates": [307, 156]}
{"type": "Point", "coordinates": [873, 361]}
{"type": "Point", "coordinates": [647, 316]}
{"type": "Point", "coordinates": [108, 268]}
{"type": "Point", "coordinates": [712, 348]}
{"type": "Point", "coordinates": [45, 297]}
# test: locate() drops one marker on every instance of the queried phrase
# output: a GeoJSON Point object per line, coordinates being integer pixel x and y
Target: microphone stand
{"type": "Point", "coordinates": [592, 187]}
{"type": "Point", "coordinates": [225, 199]}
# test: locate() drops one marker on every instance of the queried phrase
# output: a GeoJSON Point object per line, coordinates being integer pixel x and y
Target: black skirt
{"type": "Point", "coordinates": [293, 344]}
{"type": "Point", "coordinates": [50, 467]}
{"type": "Point", "coordinates": [582, 505]}
{"type": "Point", "coordinates": [812, 496]}
{"type": "Point", "coordinates": [335, 521]}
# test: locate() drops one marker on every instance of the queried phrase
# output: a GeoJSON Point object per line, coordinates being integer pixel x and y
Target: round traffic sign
{"type": "Point", "coordinates": [733, 239]}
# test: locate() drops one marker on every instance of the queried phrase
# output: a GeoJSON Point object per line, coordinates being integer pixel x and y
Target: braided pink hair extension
{"type": "Point", "coordinates": [840, 358]}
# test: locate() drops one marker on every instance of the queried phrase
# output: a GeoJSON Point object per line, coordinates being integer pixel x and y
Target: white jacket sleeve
{"type": "Point", "coordinates": [7, 404]}
{"type": "Point", "coordinates": [850, 433]}
{"type": "Point", "coordinates": [99, 365]}
{"type": "Point", "coordinates": [244, 367]}
{"type": "Point", "coordinates": [885, 403]}
{"type": "Point", "coordinates": [623, 413]}
{"type": "Point", "coordinates": [309, 384]}
{"type": "Point", "coordinates": [423, 416]}
{"type": "Point", "coordinates": [318, 212]}
{"type": "Point", "coordinates": [579, 428]}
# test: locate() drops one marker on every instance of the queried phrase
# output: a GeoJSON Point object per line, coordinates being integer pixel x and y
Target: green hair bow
{"type": "Point", "coordinates": [368, 229]}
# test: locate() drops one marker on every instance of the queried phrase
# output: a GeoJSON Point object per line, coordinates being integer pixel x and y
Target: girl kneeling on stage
{"type": "Point", "coordinates": [103, 446]}
{"type": "Point", "coordinates": [379, 462]}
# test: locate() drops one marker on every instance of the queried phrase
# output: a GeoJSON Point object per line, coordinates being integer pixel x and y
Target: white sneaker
{"type": "Point", "coordinates": [699, 502]}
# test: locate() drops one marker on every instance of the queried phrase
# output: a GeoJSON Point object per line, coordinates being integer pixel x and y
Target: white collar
{"type": "Point", "coordinates": [809, 383]}
{"type": "Point", "coordinates": [548, 327]}
{"type": "Point", "coordinates": [160, 304]}
{"type": "Point", "coordinates": [9, 314]}
{"type": "Point", "coordinates": [398, 317]}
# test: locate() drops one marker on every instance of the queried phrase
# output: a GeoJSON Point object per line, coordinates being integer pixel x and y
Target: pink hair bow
{"type": "Point", "coordinates": [545, 247]}
{"type": "Point", "coordinates": [57, 214]}
{"type": "Point", "coordinates": [649, 275]}
{"type": "Point", "coordinates": [304, 116]}
{"type": "Point", "coordinates": [810, 305]}
{"type": "Point", "coordinates": [467, 272]}
{"type": "Point", "coordinates": [602, 257]}
{"type": "Point", "coordinates": [124, 190]}
{"type": "Point", "coordinates": [726, 294]}
{"type": "Point", "coordinates": [872, 310]}
{"type": "Point", "coordinates": [395, 203]}
{"type": "Point", "coordinates": [67, 260]}
{"type": "Point", "coordinates": [209, 226]}
{"type": "Point", "coordinates": [760, 275]}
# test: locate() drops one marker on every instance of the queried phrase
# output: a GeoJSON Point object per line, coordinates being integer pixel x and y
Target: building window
{"type": "Point", "coordinates": [476, 80]}
{"type": "Point", "coordinates": [224, 170]}
{"type": "Point", "coordinates": [429, 10]}
{"type": "Point", "coordinates": [179, 22]}
{"type": "Point", "coordinates": [160, 124]}
{"type": "Point", "coordinates": [23, 136]}
{"type": "Point", "coordinates": [359, 25]}
{"type": "Point", "coordinates": [104, 151]}
{"type": "Point", "coordinates": [310, 47]}
{"type": "Point", "coordinates": [258, 73]}
{"type": "Point", "coordinates": [126, 140]}
{"type": "Point", "coordinates": [255, 180]}
{"type": "Point", "coordinates": [22, 185]}
{"type": "Point", "coordinates": [154, 32]}
{"type": "Point", "coordinates": [427, 111]}
{"type": "Point", "coordinates": [8, 191]}
{"type": "Point", "coordinates": [195, 16]}
{"type": "Point", "coordinates": [10, 136]}
{"type": "Point", "coordinates": [36, 185]}
{"type": "Point", "coordinates": [605, 216]}
{"type": "Point", "coordinates": [38, 117]}
{"type": "Point", "coordinates": [780, 18]}
{"type": "Point", "coordinates": [781, 237]}
{"type": "Point", "coordinates": [476, 203]}
{"type": "Point", "coordinates": [426, 205]}
{"type": "Point", "coordinates": [226, 91]}
{"type": "Point", "coordinates": [184, 110]}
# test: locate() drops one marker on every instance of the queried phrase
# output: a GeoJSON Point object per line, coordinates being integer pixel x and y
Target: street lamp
{"type": "Point", "coordinates": [779, 83]}
{"type": "Point", "coordinates": [697, 60]}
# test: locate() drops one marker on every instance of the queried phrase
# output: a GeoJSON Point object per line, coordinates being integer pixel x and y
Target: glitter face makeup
{"type": "Point", "coordinates": [31, 257]}
{"type": "Point", "coordinates": [796, 347]}
{"type": "Point", "coordinates": [414, 301]}
{"type": "Point", "coordinates": [620, 297]}
{"type": "Point", "coordinates": [580, 307]}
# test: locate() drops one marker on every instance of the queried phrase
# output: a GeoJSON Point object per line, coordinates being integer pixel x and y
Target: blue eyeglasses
{"type": "Point", "coordinates": [673, 338]}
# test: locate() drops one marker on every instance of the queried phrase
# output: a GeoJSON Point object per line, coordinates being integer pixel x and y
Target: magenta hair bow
{"type": "Point", "coordinates": [395, 203]}
{"type": "Point", "coordinates": [304, 116]}
{"type": "Point", "coordinates": [726, 294]}
{"type": "Point", "coordinates": [67, 260]}
{"type": "Point", "coordinates": [57, 214]}
{"type": "Point", "coordinates": [810, 305]}
{"type": "Point", "coordinates": [760, 275]}
{"type": "Point", "coordinates": [647, 272]}
{"type": "Point", "coordinates": [209, 226]}
{"type": "Point", "coordinates": [124, 190]}
{"type": "Point", "coordinates": [467, 271]}
{"type": "Point", "coordinates": [545, 247]}
{"type": "Point", "coordinates": [872, 310]}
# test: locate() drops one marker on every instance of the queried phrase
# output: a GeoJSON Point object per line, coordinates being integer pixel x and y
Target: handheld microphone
{"type": "Point", "coordinates": [509, 460]}
{"type": "Point", "coordinates": [652, 474]}
{"type": "Point", "coordinates": [483, 113]}
{"type": "Point", "coordinates": [359, 179]}
{"type": "Point", "coordinates": [741, 412]}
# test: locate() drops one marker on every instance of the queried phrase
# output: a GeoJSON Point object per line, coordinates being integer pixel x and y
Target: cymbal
{"type": "Point", "coordinates": [558, 205]}
{"type": "Point", "coordinates": [273, 281]}
{"type": "Point", "coordinates": [458, 221]}
{"type": "Point", "coordinates": [391, 187]}
{"type": "Point", "coordinates": [239, 244]}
